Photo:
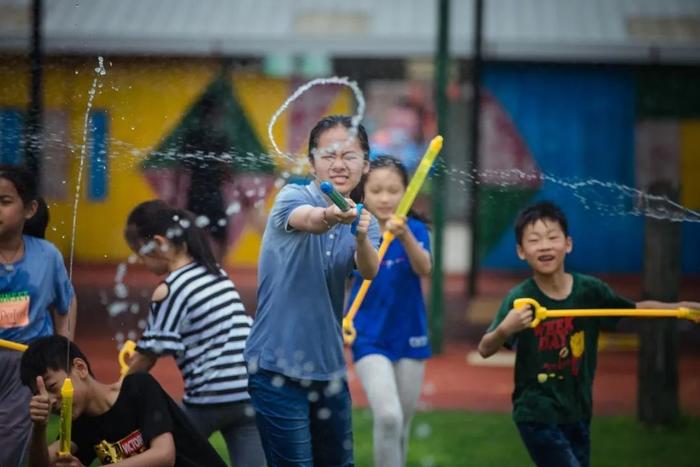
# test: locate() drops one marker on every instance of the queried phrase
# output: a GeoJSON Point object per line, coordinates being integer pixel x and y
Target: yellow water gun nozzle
{"type": "Point", "coordinates": [349, 332]}
{"type": "Point", "coordinates": [127, 350]}
{"type": "Point", "coordinates": [688, 313]}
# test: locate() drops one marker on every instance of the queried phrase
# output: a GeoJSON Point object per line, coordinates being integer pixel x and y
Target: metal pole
{"type": "Point", "coordinates": [437, 303]}
{"type": "Point", "coordinates": [474, 149]}
{"type": "Point", "coordinates": [33, 131]}
{"type": "Point", "coordinates": [657, 390]}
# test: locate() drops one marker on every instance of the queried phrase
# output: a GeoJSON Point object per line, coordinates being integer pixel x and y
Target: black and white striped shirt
{"type": "Point", "coordinates": [203, 324]}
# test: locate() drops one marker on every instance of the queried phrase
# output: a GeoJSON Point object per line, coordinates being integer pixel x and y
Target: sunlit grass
{"type": "Point", "coordinates": [459, 438]}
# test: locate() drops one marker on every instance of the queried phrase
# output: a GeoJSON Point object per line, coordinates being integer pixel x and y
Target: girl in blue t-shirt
{"type": "Point", "coordinates": [392, 337]}
{"type": "Point", "coordinates": [36, 298]}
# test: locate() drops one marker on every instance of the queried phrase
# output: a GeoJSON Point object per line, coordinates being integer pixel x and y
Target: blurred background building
{"type": "Point", "coordinates": [581, 102]}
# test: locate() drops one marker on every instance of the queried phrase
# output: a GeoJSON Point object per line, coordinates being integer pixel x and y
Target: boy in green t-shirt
{"type": "Point", "coordinates": [555, 362]}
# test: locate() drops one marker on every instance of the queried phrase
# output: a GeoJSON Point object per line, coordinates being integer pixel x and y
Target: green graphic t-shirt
{"type": "Point", "coordinates": [555, 362]}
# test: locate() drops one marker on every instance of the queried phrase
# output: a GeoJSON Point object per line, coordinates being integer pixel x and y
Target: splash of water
{"type": "Point", "coordinates": [343, 81]}
{"type": "Point", "coordinates": [608, 198]}
{"type": "Point", "coordinates": [99, 71]}
{"type": "Point", "coordinates": [617, 199]}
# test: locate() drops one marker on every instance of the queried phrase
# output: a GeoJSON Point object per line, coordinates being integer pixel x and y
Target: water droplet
{"type": "Point", "coordinates": [121, 291]}
{"type": "Point", "coordinates": [423, 430]}
{"type": "Point", "coordinates": [233, 208]}
{"type": "Point", "coordinates": [334, 387]}
{"type": "Point", "coordinates": [278, 381]}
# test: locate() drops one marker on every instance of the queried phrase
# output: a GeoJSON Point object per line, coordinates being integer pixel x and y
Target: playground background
{"type": "Point", "coordinates": [587, 103]}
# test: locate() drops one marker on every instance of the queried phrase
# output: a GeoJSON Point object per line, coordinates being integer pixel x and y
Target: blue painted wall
{"type": "Point", "coordinates": [578, 124]}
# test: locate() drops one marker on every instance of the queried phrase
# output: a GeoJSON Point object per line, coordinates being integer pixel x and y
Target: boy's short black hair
{"type": "Point", "coordinates": [49, 353]}
{"type": "Point", "coordinates": [540, 211]}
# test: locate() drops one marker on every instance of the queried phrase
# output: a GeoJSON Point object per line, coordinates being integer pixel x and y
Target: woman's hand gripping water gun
{"type": "Point", "coordinates": [329, 190]}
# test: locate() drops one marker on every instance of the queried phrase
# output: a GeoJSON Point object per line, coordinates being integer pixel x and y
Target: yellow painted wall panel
{"type": "Point", "coordinates": [260, 97]}
{"type": "Point", "coordinates": [145, 99]}
{"type": "Point", "coordinates": [690, 163]}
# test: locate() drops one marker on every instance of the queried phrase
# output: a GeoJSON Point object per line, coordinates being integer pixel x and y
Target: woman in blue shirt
{"type": "Point", "coordinates": [294, 353]}
{"type": "Point", "coordinates": [392, 338]}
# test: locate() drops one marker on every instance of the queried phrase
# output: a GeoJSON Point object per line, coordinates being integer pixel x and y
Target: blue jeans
{"type": "Point", "coordinates": [552, 445]}
{"type": "Point", "coordinates": [302, 423]}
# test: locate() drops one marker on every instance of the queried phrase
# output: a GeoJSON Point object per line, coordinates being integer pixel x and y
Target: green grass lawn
{"type": "Point", "coordinates": [453, 439]}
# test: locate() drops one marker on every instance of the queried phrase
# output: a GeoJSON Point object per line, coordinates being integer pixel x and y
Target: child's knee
{"type": "Point", "coordinates": [389, 421]}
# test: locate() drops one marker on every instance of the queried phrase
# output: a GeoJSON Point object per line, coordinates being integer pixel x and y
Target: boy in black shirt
{"type": "Point", "coordinates": [136, 424]}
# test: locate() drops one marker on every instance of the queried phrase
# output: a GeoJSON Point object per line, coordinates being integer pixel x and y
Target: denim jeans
{"type": "Point", "coordinates": [302, 423]}
{"type": "Point", "coordinates": [557, 445]}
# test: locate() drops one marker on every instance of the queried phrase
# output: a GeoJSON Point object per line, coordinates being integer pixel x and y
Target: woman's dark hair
{"type": "Point", "coordinates": [49, 353]}
{"type": "Point", "coordinates": [156, 217]}
{"type": "Point", "coordinates": [544, 210]}
{"type": "Point", "coordinates": [386, 161]}
{"type": "Point", "coordinates": [332, 121]}
{"type": "Point", "coordinates": [24, 181]}
{"type": "Point", "coordinates": [36, 225]}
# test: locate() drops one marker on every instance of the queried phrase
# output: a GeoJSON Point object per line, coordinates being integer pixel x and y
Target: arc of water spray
{"type": "Point", "coordinates": [343, 81]}
{"type": "Point", "coordinates": [99, 71]}
{"type": "Point", "coordinates": [622, 200]}
{"type": "Point", "coordinates": [66, 418]}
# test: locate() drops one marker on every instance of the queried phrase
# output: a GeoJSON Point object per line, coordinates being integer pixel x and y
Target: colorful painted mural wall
{"type": "Point", "coordinates": [142, 112]}
{"type": "Point", "coordinates": [592, 135]}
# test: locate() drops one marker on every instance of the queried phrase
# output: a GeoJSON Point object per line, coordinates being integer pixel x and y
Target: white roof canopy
{"type": "Point", "coordinates": [556, 30]}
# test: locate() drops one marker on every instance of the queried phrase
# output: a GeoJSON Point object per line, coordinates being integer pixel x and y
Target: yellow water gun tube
{"type": "Point", "coordinates": [541, 313]}
{"type": "Point", "coordinates": [66, 420]}
{"type": "Point", "coordinates": [13, 345]}
{"type": "Point", "coordinates": [349, 332]}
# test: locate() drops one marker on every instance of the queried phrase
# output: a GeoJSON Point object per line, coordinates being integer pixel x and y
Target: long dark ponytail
{"type": "Point", "coordinates": [156, 217]}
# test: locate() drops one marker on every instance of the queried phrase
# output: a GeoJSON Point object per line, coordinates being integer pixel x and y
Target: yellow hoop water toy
{"type": "Point", "coordinates": [541, 313]}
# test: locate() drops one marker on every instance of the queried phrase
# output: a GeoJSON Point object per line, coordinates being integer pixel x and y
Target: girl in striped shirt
{"type": "Point", "coordinates": [196, 316]}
